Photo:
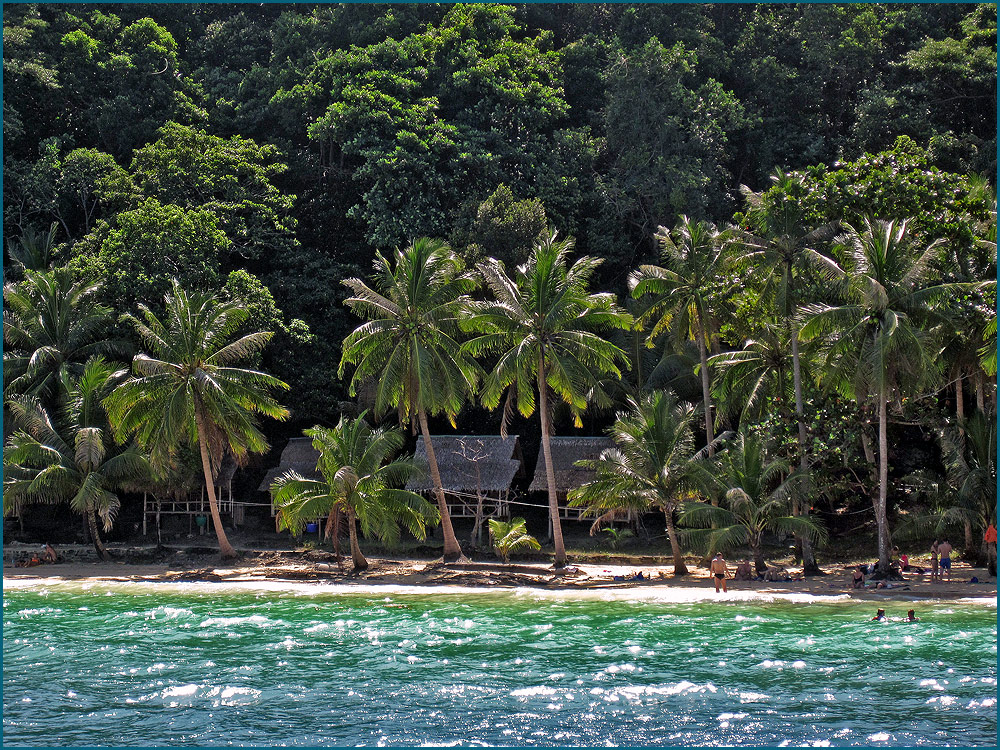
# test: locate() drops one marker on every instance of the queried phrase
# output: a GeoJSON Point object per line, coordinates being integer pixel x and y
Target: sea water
{"type": "Point", "coordinates": [206, 664]}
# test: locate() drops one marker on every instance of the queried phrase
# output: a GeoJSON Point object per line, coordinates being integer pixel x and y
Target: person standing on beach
{"type": "Point", "coordinates": [935, 572]}
{"type": "Point", "coordinates": [719, 571]}
{"type": "Point", "coordinates": [945, 549]}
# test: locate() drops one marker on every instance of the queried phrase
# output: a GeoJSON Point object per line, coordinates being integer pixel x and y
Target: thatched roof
{"type": "Point", "coordinates": [566, 451]}
{"type": "Point", "coordinates": [497, 459]}
{"type": "Point", "coordinates": [299, 455]}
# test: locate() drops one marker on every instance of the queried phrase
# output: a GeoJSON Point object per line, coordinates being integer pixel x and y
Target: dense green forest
{"type": "Point", "coordinates": [266, 153]}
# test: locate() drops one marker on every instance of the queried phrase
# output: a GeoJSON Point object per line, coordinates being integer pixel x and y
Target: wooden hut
{"type": "Point", "coordinates": [472, 467]}
{"type": "Point", "coordinates": [299, 456]}
{"type": "Point", "coordinates": [566, 451]}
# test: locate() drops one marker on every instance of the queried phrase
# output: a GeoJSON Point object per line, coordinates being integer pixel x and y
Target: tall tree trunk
{"type": "Point", "coordinates": [452, 549]}
{"type": "Point", "coordinates": [680, 569]}
{"type": "Point", "coordinates": [971, 553]}
{"type": "Point", "coordinates": [960, 397]}
{"type": "Point", "coordinates": [758, 557]}
{"type": "Point", "coordinates": [95, 537]}
{"type": "Point", "coordinates": [225, 548]}
{"type": "Point", "coordinates": [809, 565]}
{"type": "Point", "coordinates": [550, 473]}
{"type": "Point", "coordinates": [980, 392]}
{"type": "Point", "coordinates": [332, 532]}
{"type": "Point", "coordinates": [881, 514]}
{"type": "Point", "coordinates": [706, 392]}
{"type": "Point", "coordinates": [360, 563]}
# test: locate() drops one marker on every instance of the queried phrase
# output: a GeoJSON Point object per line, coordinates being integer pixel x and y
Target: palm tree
{"type": "Point", "coordinates": [71, 457]}
{"type": "Point", "coordinates": [51, 326]}
{"type": "Point", "coordinates": [33, 251]}
{"type": "Point", "coordinates": [969, 454]}
{"type": "Point", "coordinates": [542, 326]}
{"type": "Point", "coordinates": [749, 381]}
{"type": "Point", "coordinates": [878, 343]}
{"type": "Point", "coordinates": [758, 494]}
{"type": "Point", "coordinates": [359, 480]}
{"type": "Point", "coordinates": [190, 391]}
{"type": "Point", "coordinates": [778, 244]}
{"type": "Point", "coordinates": [511, 536]}
{"type": "Point", "coordinates": [653, 466]}
{"type": "Point", "coordinates": [685, 291]}
{"type": "Point", "coordinates": [409, 346]}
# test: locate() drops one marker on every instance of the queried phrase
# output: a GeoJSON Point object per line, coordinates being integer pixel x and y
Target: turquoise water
{"type": "Point", "coordinates": [202, 665]}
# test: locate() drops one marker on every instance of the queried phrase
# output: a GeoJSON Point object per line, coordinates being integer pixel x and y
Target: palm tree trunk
{"type": "Point", "coordinates": [809, 565]}
{"type": "Point", "coordinates": [95, 537]}
{"type": "Point", "coordinates": [705, 390]}
{"type": "Point", "coordinates": [758, 555]}
{"type": "Point", "coordinates": [680, 569]}
{"type": "Point", "coordinates": [360, 563]}
{"type": "Point", "coordinates": [980, 393]}
{"type": "Point", "coordinates": [550, 474]}
{"type": "Point", "coordinates": [881, 514]}
{"type": "Point", "coordinates": [960, 397]}
{"type": "Point", "coordinates": [452, 549]}
{"type": "Point", "coordinates": [971, 553]}
{"type": "Point", "coordinates": [225, 548]}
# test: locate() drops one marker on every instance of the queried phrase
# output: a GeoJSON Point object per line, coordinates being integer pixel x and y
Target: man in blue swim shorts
{"type": "Point", "coordinates": [945, 550]}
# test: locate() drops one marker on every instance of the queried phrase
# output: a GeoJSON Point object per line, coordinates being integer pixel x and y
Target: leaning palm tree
{"type": "Point", "coordinates": [879, 344]}
{"type": "Point", "coordinates": [685, 291]}
{"type": "Point", "coordinates": [189, 389]}
{"type": "Point", "coordinates": [71, 456]}
{"type": "Point", "coordinates": [654, 465]}
{"type": "Point", "coordinates": [51, 325]}
{"type": "Point", "coordinates": [409, 346]}
{"type": "Point", "coordinates": [543, 327]}
{"type": "Point", "coordinates": [758, 495]}
{"type": "Point", "coordinates": [360, 480]}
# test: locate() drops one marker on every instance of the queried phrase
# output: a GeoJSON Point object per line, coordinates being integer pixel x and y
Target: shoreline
{"type": "Point", "coordinates": [390, 575]}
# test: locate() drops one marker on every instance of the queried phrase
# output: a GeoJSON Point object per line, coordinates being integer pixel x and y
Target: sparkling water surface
{"type": "Point", "coordinates": [199, 664]}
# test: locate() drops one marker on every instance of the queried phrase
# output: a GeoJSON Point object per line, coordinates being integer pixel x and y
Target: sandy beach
{"type": "Point", "coordinates": [320, 568]}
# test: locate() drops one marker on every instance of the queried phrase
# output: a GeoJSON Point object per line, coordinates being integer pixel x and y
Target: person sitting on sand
{"type": "Point", "coordinates": [743, 572]}
{"type": "Point", "coordinates": [49, 555]}
{"type": "Point", "coordinates": [904, 563]}
{"type": "Point", "coordinates": [911, 616]}
{"type": "Point", "coordinates": [879, 616]}
{"type": "Point", "coordinates": [859, 577]}
{"type": "Point", "coordinates": [719, 571]}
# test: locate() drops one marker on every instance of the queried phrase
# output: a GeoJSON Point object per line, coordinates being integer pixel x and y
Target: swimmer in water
{"type": "Point", "coordinates": [879, 616]}
{"type": "Point", "coordinates": [911, 616]}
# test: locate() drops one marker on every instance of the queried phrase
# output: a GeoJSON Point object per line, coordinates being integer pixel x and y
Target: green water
{"type": "Point", "coordinates": [202, 665]}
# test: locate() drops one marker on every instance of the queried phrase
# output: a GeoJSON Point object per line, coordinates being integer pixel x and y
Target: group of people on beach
{"type": "Point", "coordinates": [899, 564]}
{"type": "Point", "coordinates": [47, 555]}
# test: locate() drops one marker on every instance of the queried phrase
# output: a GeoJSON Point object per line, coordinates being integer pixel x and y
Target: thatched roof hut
{"type": "Point", "coordinates": [299, 455]}
{"type": "Point", "coordinates": [566, 451]}
{"type": "Point", "coordinates": [471, 463]}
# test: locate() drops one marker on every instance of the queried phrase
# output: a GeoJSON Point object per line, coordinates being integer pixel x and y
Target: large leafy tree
{"type": "Point", "coordinates": [685, 291]}
{"type": "Point", "coordinates": [879, 342]}
{"type": "Point", "coordinates": [543, 326]}
{"type": "Point", "coordinates": [654, 465]}
{"type": "Point", "coordinates": [758, 491]}
{"type": "Point", "coordinates": [70, 455]}
{"type": "Point", "coordinates": [189, 389]}
{"type": "Point", "coordinates": [410, 345]}
{"type": "Point", "coordinates": [360, 480]}
{"type": "Point", "coordinates": [51, 325]}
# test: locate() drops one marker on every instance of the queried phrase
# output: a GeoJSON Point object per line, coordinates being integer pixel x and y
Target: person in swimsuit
{"type": "Point", "coordinates": [935, 573]}
{"type": "Point", "coordinates": [879, 616]}
{"type": "Point", "coordinates": [719, 571]}
{"type": "Point", "coordinates": [859, 577]}
{"type": "Point", "coordinates": [945, 549]}
{"type": "Point", "coordinates": [911, 616]}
